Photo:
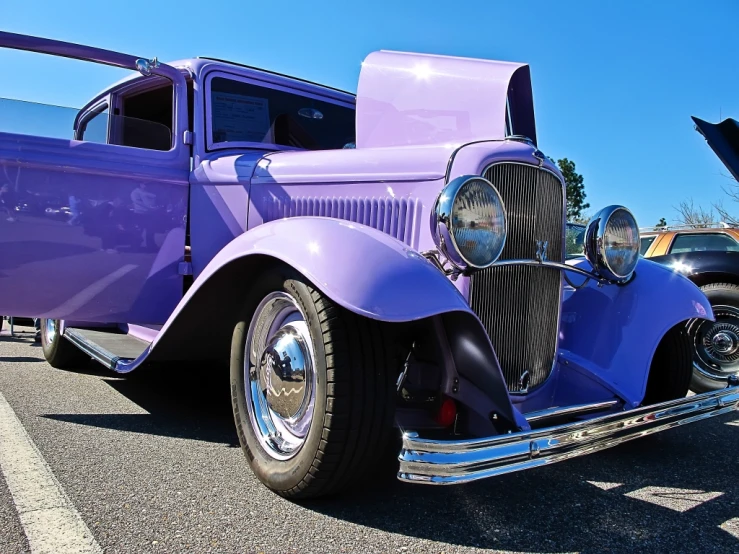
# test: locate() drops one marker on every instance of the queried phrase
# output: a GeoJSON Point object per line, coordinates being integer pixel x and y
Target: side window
{"type": "Point", "coordinates": [93, 127]}
{"type": "Point", "coordinates": [147, 118]}
{"type": "Point", "coordinates": [141, 115]}
{"type": "Point", "coordinates": [646, 242]}
{"type": "Point", "coordinates": [704, 242]}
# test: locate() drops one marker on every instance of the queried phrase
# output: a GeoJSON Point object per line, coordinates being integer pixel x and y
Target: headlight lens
{"type": "Point", "coordinates": [469, 224]}
{"type": "Point", "coordinates": [612, 243]}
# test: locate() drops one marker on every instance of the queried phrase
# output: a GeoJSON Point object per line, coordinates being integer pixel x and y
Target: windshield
{"type": "Point", "coordinates": [247, 113]}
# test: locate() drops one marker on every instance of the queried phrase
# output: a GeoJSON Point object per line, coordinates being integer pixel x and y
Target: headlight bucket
{"type": "Point", "coordinates": [612, 243]}
{"type": "Point", "coordinates": [468, 222]}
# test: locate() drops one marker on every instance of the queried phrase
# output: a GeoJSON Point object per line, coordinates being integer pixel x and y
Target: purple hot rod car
{"type": "Point", "coordinates": [385, 265]}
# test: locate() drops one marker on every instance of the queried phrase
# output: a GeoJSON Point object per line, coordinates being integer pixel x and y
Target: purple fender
{"type": "Point", "coordinates": [612, 331]}
{"type": "Point", "coordinates": [360, 268]}
{"type": "Point", "coordinates": [363, 270]}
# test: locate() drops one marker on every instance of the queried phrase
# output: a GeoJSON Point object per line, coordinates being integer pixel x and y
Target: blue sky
{"type": "Point", "coordinates": [615, 83]}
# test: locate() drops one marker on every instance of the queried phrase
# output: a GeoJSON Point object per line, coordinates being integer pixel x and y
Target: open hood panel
{"type": "Point", "coordinates": [406, 99]}
{"type": "Point", "coordinates": [723, 138]}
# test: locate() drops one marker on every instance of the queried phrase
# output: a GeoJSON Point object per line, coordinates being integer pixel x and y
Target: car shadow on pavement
{"type": "Point", "coordinates": [647, 495]}
{"type": "Point", "coordinates": [666, 493]}
{"type": "Point", "coordinates": [190, 403]}
{"type": "Point", "coordinates": [16, 359]}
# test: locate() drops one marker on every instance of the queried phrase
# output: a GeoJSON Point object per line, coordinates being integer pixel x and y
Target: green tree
{"type": "Point", "coordinates": [575, 189]}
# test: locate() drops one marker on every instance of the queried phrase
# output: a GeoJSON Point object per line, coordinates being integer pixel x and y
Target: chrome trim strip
{"type": "Point", "coordinates": [439, 462]}
{"type": "Point", "coordinates": [450, 163]}
{"type": "Point", "coordinates": [576, 409]}
{"type": "Point", "coordinates": [554, 265]}
{"type": "Point", "coordinates": [96, 352]}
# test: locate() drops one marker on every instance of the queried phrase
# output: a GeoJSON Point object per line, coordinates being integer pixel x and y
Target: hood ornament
{"type": "Point", "coordinates": [541, 250]}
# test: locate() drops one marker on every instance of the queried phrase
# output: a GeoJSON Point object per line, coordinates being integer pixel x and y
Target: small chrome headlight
{"type": "Point", "coordinates": [612, 243]}
{"type": "Point", "coordinates": [469, 222]}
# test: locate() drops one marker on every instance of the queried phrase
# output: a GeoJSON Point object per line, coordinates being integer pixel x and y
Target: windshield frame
{"type": "Point", "coordinates": [211, 145]}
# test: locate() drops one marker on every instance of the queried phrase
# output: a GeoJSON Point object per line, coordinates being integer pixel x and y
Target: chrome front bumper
{"type": "Point", "coordinates": [440, 462]}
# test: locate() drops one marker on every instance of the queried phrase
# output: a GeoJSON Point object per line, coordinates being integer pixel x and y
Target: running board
{"type": "Point", "coordinates": [107, 347]}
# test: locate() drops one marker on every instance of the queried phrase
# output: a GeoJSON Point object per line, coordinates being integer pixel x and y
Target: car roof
{"type": "Point", "coordinates": [691, 230]}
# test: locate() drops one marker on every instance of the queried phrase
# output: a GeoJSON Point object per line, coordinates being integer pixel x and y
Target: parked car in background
{"type": "Point", "coordinates": [709, 257]}
{"type": "Point", "coordinates": [383, 265]}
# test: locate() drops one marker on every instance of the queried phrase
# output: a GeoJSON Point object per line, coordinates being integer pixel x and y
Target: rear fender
{"type": "Point", "coordinates": [613, 331]}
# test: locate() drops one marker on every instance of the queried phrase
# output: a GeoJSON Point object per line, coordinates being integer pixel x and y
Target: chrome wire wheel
{"type": "Point", "coordinates": [280, 376]}
{"type": "Point", "coordinates": [716, 344]}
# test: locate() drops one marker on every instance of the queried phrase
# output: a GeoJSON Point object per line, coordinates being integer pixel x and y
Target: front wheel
{"type": "Point", "coordinates": [716, 344]}
{"type": "Point", "coordinates": [311, 389]}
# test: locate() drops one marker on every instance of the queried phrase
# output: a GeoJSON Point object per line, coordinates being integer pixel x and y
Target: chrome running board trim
{"type": "Point", "coordinates": [95, 351]}
{"type": "Point", "coordinates": [577, 409]}
{"type": "Point", "coordinates": [440, 462]}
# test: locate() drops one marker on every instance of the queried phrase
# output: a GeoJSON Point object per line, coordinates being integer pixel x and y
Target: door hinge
{"type": "Point", "coordinates": [185, 268]}
{"type": "Point", "coordinates": [188, 137]}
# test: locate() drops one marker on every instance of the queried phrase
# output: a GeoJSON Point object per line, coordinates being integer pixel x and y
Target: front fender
{"type": "Point", "coordinates": [613, 331]}
{"type": "Point", "coordinates": [363, 270]}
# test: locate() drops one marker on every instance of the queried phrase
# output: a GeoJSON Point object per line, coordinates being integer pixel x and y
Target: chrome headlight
{"type": "Point", "coordinates": [469, 222]}
{"type": "Point", "coordinates": [612, 243]}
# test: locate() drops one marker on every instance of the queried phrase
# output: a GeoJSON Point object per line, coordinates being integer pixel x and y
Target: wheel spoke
{"type": "Point", "coordinates": [716, 344]}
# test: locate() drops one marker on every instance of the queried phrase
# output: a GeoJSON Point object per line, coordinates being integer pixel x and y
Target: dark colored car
{"type": "Point", "coordinates": [708, 256]}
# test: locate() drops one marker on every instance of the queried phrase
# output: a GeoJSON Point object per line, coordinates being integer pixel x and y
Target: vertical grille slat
{"type": "Point", "coordinates": [519, 305]}
{"type": "Point", "coordinates": [395, 216]}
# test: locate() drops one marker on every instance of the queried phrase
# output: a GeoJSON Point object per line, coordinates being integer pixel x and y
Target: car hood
{"type": "Point", "coordinates": [723, 138]}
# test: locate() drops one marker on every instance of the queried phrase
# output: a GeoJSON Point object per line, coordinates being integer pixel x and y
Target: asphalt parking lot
{"type": "Point", "coordinates": [151, 463]}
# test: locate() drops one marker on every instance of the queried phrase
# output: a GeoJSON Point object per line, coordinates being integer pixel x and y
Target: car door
{"type": "Point", "coordinates": [93, 229]}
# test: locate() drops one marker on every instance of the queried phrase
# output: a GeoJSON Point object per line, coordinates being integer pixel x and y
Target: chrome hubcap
{"type": "Point", "coordinates": [717, 344]}
{"type": "Point", "coordinates": [279, 376]}
{"type": "Point", "coordinates": [51, 330]}
{"type": "Point", "coordinates": [724, 343]}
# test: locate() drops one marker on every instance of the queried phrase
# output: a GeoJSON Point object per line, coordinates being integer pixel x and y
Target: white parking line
{"type": "Point", "coordinates": [50, 521]}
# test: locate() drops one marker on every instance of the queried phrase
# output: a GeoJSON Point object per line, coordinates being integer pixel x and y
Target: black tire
{"type": "Point", "coordinates": [671, 369]}
{"type": "Point", "coordinates": [354, 404]}
{"type": "Point", "coordinates": [58, 351]}
{"type": "Point", "coordinates": [718, 294]}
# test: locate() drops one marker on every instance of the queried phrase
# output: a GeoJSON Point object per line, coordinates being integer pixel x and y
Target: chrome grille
{"type": "Point", "coordinates": [519, 305]}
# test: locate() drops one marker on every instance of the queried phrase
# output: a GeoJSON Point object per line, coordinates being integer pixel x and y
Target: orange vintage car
{"type": "Point", "coordinates": [688, 238]}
